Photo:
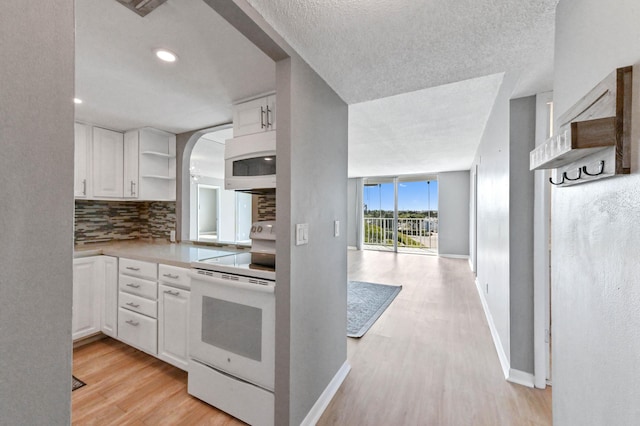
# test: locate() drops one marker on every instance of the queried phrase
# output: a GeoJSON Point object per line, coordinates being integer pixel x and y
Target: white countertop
{"type": "Point", "coordinates": [176, 254]}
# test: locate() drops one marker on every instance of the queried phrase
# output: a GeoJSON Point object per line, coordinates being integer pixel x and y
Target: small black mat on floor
{"type": "Point", "coordinates": [76, 384]}
{"type": "Point", "coordinates": [365, 303]}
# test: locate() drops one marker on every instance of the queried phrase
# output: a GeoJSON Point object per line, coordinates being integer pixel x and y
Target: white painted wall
{"type": "Point", "coordinates": [596, 236]}
{"type": "Point", "coordinates": [453, 213]}
{"type": "Point", "coordinates": [227, 209]}
{"type": "Point", "coordinates": [492, 159]}
{"type": "Point", "coordinates": [36, 211]}
{"type": "Point", "coordinates": [311, 295]}
{"type": "Point", "coordinates": [505, 229]}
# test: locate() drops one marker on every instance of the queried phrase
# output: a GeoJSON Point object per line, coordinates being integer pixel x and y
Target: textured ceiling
{"type": "Point", "coordinates": [431, 130]}
{"type": "Point", "coordinates": [370, 49]}
{"type": "Point", "coordinates": [124, 86]}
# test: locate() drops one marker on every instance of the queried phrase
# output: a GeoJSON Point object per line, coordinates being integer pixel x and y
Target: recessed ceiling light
{"type": "Point", "coordinates": [77, 101]}
{"type": "Point", "coordinates": [166, 55]}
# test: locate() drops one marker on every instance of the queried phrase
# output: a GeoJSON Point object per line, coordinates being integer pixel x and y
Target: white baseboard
{"type": "Point", "coordinates": [502, 356]}
{"type": "Point", "coordinates": [454, 256]}
{"type": "Point", "coordinates": [323, 401]}
{"type": "Point", "coordinates": [521, 378]}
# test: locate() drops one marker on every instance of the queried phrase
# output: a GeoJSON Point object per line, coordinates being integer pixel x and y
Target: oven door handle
{"type": "Point", "coordinates": [262, 288]}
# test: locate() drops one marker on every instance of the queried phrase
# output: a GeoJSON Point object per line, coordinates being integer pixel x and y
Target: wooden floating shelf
{"type": "Point", "coordinates": [594, 138]}
{"type": "Point", "coordinates": [582, 139]}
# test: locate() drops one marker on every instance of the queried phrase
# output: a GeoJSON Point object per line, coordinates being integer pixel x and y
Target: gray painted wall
{"type": "Point", "coordinates": [453, 213]}
{"type": "Point", "coordinates": [312, 279]}
{"type": "Point", "coordinates": [522, 135]}
{"type": "Point", "coordinates": [596, 236]}
{"type": "Point", "coordinates": [492, 159]}
{"type": "Point", "coordinates": [36, 211]}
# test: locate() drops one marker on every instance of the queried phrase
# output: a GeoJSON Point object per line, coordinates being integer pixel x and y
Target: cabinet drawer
{"type": "Point", "coordinates": [138, 330]}
{"type": "Point", "coordinates": [138, 304]}
{"type": "Point", "coordinates": [175, 276]}
{"type": "Point", "coordinates": [138, 286]}
{"type": "Point", "coordinates": [139, 268]}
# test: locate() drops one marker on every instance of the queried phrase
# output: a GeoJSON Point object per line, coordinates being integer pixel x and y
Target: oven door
{"type": "Point", "coordinates": [232, 326]}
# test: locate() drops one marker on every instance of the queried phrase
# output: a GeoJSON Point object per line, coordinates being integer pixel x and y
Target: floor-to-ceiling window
{"type": "Point", "coordinates": [401, 214]}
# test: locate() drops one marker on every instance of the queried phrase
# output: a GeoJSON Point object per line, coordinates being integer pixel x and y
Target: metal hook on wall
{"type": "Point", "coordinates": [564, 176]}
{"type": "Point", "coordinates": [557, 183]}
{"type": "Point", "coordinates": [600, 170]}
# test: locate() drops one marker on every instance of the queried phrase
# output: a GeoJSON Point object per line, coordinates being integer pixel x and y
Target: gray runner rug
{"type": "Point", "coordinates": [365, 303]}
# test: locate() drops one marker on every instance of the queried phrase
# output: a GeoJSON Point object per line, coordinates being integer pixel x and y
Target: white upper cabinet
{"type": "Point", "coordinates": [137, 165]}
{"type": "Point", "coordinates": [82, 161]}
{"type": "Point", "coordinates": [254, 116]}
{"type": "Point", "coordinates": [130, 162]}
{"type": "Point", "coordinates": [107, 163]}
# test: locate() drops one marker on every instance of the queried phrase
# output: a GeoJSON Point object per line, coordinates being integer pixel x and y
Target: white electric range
{"type": "Point", "coordinates": [232, 336]}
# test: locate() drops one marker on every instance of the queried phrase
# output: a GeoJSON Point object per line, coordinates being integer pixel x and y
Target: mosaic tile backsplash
{"type": "Point", "coordinates": [102, 221]}
{"type": "Point", "coordinates": [267, 207]}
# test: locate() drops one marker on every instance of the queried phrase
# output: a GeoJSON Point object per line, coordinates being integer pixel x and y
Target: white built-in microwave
{"type": "Point", "coordinates": [250, 162]}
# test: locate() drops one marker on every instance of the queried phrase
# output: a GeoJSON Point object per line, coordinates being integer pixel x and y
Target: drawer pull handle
{"type": "Point", "coordinates": [173, 293]}
{"type": "Point", "coordinates": [132, 322]}
{"type": "Point", "coordinates": [132, 268]}
{"type": "Point", "coordinates": [133, 305]}
{"type": "Point", "coordinates": [173, 277]}
{"type": "Point", "coordinates": [133, 285]}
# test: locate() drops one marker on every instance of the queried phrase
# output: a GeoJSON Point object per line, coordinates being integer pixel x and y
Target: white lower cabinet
{"type": "Point", "coordinates": [137, 304]}
{"type": "Point", "coordinates": [86, 297]}
{"type": "Point", "coordinates": [138, 330]}
{"type": "Point", "coordinates": [124, 299]}
{"type": "Point", "coordinates": [110, 296]}
{"type": "Point", "coordinates": [173, 323]}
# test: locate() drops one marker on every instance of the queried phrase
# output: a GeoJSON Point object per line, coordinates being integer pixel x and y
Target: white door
{"type": "Point", "coordinates": [86, 301]}
{"type": "Point", "coordinates": [250, 117]}
{"type": "Point", "coordinates": [130, 165]}
{"type": "Point", "coordinates": [107, 163]}
{"type": "Point", "coordinates": [173, 325]}
{"type": "Point", "coordinates": [110, 296]}
{"type": "Point", "coordinates": [81, 160]}
{"type": "Point", "coordinates": [232, 326]}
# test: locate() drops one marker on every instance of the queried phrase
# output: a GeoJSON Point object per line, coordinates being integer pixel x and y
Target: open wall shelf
{"type": "Point", "coordinates": [594, 137]}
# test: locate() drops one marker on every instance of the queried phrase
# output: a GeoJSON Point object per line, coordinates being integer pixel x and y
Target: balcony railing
{"type": "Point", "coordinates": [421, 234]}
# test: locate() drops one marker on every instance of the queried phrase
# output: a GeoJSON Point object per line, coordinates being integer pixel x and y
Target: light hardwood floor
{"type": "Point", "coordinates": [128, 387]}
{"type": "Point", "coordinates": [429, 359]}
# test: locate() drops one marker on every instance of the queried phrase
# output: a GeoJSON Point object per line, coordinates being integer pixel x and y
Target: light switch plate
{"type": "Point", "coordinates": [336, 228]}
{"type": "Point", "coordinates": [302, 234]}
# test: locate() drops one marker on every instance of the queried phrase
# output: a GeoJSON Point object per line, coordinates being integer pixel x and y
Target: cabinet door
{"type": "Point", "coordinates": [107, 163]}
{"type": "Point", "coordinates": [86, 301]}
{"type": "Point", "coordinates": [110, 296]}
{"type": "Point", "coordinates": [130, 164]}
{"type": "Point", "coordinates": [250, 117]}
{"type": "Point", "coordinates": [81, 160]}
{"type": "Point", "coordinates": [173, 320]}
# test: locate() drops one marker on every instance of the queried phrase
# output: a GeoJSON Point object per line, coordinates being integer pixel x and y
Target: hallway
{"type": "Point", "coordinates": [429, 359]}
